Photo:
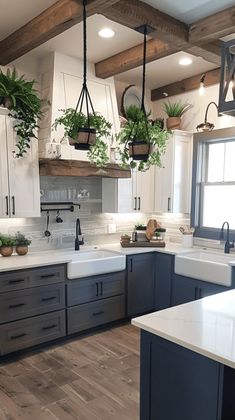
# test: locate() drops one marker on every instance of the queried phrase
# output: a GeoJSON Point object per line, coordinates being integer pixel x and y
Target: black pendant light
{"type": "Point", "coordinates": [227, 79]}
{"type": "Point", "coordinates": [140, 148]}
{"type": "Point", "coordinates": [86, 135]}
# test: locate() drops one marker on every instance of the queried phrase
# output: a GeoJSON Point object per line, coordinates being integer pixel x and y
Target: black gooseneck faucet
{"type": "Point", "coordinates": [228, 245]}
{"type": "Point", "coordinates": [78, 241]}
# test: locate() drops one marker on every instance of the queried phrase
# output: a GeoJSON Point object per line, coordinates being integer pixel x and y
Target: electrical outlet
{"type": "Point", "coordinates": [112, 228]}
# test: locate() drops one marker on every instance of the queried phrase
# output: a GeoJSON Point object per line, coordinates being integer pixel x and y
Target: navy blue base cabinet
{"type": "Point", "coordinates": [140, 284]}
{"type": "Point", "coordinates": [178, 384]}
{"type": "Point", "coordinates": [185, 289]}
{"type": "Point", "coordinates": [163, 278]}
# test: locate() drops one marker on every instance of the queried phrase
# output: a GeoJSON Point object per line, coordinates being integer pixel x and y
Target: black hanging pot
{"type": "Point", "coordinates": [86, 137]}
{"type": "Point", "coordinates": [139, 150]}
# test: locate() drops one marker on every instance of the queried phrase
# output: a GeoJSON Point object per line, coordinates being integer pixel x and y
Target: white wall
{"type": "Point", "coordinates": [196, 115]}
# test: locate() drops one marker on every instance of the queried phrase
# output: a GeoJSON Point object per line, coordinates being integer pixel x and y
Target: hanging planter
{"type": "Point", "coordinates": [142, 142]}
{"type": "Point", "coordinates": [139, 150]}
{"type": "Point", "coordinates": [86, 130]}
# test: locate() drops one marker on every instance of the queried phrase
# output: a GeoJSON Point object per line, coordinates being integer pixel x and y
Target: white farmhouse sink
{"type": "Point", "coordinates": [92, 263]}
{"type": "Point", "coordinates": [208, 266]}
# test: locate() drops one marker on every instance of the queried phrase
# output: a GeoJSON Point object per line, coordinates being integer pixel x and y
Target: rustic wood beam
{"type": "Point", "coordinates": [134, 13]}
{"type": "Point", "coordinates": [132, 58]}
{"type": "Point", "coordinates": [51, 22]}
{"type": "Point", "coordinates": [213, 27]}
{"type": "Point", "coordinates": [186, 85]}
{"type": "Point", "coordinates": [61, 167]}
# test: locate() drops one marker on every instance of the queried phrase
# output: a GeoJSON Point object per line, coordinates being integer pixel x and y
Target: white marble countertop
{"type": "Point", "coordinates": [205, 326]}
{"type": "Point", "coordinates": [50, 257]}
{"type": "Point", "coordinates": [59, 256]}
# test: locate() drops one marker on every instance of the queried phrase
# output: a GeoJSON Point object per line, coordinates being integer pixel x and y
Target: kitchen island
{"type": "Point", "coordinates": [188, 361]}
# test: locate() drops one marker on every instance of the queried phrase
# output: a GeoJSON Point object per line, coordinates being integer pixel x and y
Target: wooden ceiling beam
{"type": "Point", "coordinates": [186, 85]}
{"type": "Point", "coordinates": [213, 27]}
{"type": "Point", "coordinates": [51, 22]}
{"type": "Point", "coordinates": [156, 49]}
{"type": "Point", "coordinates": [132, 58]}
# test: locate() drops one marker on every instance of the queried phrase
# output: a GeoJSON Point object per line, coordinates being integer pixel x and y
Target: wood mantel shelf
{"type": "Point", "coordinates": [62, 167]}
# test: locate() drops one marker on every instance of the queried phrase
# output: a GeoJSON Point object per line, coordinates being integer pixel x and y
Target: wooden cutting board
{"type": "Point", "coordinates": [153, 244]}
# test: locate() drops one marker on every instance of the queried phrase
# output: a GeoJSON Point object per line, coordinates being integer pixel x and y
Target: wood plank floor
{"type": "Point", "coordinates": [94, 377]}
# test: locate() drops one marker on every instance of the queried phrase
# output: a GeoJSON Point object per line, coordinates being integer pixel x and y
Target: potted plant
{"type": "Point", "coordinates": [19, 96]}
{"type": "Point", "coordinates": [175, 110]}
{"type": "Point", "coordinates": [125, 239]}
{"type": "Point", "coordinates": [7, 243]}
{"type": "Point", "coordinates": [22, 244]}
{"type": "Point", "coordinates": [86, 135]}
{"type": "Point", "coordinates": [141, 140]}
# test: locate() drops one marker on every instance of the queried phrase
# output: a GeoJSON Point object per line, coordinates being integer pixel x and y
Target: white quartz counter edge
{"type": "Point", "coordinates": [206, 326]}
{"type": "Point", "coordinates": [51, 257]}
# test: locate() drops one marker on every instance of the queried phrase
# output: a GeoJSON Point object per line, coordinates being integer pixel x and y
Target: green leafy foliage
{"type": "Point", "coordinates": [73, 121]}
{"type": "Point", "coordinates": [7, 240]}
{"type": "Point", "coordinates": [24, 106]}
{"type": "Point", "coordinates": [139, 128]}
{"type": "Point", "coordinates": [175, 109]}
{"type": "Point", "coordinates": [21, 240]}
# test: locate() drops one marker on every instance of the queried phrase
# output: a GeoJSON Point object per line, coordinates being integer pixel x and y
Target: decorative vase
{"type": "Point", "coordinates": [22, 249]}
{"type": "Point", "coordinates": [125, 239]}
{"type": "Point", "coordinates": [6, 251]}
{"type": "Point", "coordinates": [139, 150]}
{"type": "Point", "coordinates": [172, 123]}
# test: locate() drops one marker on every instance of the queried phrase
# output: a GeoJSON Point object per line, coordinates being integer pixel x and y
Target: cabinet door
{"type": "Point", "coordinates": [184, 290]}
{"type": "Point", "coordinates": [145, 191]}
{"type": "Point", "coordinates": [182, 173]}
{"type": "Point", "coordinates": [164, 181]}
{"type": "Point", "coordinates": [177, 383]}
{"type": "Point", "coordinates": [117, 195]}
{"type": "Point", "coordinates": [164, 268]}
{"type": "Point", "coordinates": [4, 187]}
{"type": "Point", "coordinates": [208, 289]}
{"type": "Point", "coordinates": [140, 287]}
{"type": "Point", "coordinates": [23, 178]}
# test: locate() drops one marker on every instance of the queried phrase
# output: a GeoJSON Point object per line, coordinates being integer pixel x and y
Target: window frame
{"type": "Point", "coordinates": [200, 166]}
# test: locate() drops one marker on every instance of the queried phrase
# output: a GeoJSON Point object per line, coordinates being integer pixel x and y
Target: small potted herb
{"type": "Point", "coordinates": [174, 111]}
{"type": "Point", "coordinates": [22, 244]}
{"type": "Point", "coordinates": [141, 140]}
{"type": "Point", "coordinates": [125, 239]}
{"type": "Point", "coordinates": [7, 243]}
{"type": "Point", "coordinates": [86, 134]}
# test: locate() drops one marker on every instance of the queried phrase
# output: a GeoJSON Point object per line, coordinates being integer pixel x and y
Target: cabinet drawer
{"type": "Point", "coordinates": [29, 332]}
{"type": "Point", "coordinates": [22, 279]}
{"type": "Point", "coordinates": [21, 304]}
{"type": "Point", "coordinates": [90, 315]}
{"type": "Point", "coordinates": [95, 288]}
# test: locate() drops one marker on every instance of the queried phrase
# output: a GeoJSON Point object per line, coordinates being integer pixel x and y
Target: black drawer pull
{"type": "Point", "coordinates": [50, 327]}
{"type": "Point", "coordinates": [47, 276]}
{"type": "Point", "coordinates": [101, 288]}
{"type": "Point", "coordinates": [98, 313]}
{"type": "Point", "coordinates": [16, 281]}
{"type": "Point", "coordinates": [16, 337]}
{"type": "Point", "coordinates": [97, 289]}
{"type": "Point", "coordinates": [18, 305]}
{"type": "Point", "coordinates": [48, 299]}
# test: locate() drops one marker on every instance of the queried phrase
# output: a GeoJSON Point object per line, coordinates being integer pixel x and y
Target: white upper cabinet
{"type": "Point", "coordinates": [173, 180]}
{"type": "Point", "coordinates": [135, 194]}
{"type": "Point", "coordinates": [19, 183]}
{"type": "Point", "coordinates": [143, 191]}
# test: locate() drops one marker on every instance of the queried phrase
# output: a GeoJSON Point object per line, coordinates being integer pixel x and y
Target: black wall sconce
{"type": "Point", "coordinates": [227, 78]}
{"type": "Point", "coordinates": [206, 125]}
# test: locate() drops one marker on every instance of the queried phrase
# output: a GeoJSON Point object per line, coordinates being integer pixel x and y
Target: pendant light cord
{"type": "Point", "coordinates": [144, 69]}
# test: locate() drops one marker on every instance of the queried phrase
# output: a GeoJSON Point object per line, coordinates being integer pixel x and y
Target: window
{"type": "Point", "coordinates": [213, 199]}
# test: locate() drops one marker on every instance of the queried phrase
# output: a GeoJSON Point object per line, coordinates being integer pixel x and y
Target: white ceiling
{"type": "Point", "coordinates": [166, 70]}
{"type": "Point", "coordinates": [189, 11]}
{"type": "Point", "coordinates": [70, 41]}
{"type": "Point", "coordinates": [16, 13]}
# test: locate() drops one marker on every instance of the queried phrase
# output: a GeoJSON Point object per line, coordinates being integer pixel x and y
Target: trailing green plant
{"type": "Point", "coordinates": [7, 240]}
{"type": "Point", "coordinates": [175, 109]}
{"type": "Point", "coordinates": [21, 240]}
{"type": "Point", "coordinates": [73, 121]}
{"type": "Point", "coordinates": [139, 128]}
{"type": "Point", "coordinates": [20, 97]}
